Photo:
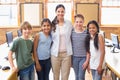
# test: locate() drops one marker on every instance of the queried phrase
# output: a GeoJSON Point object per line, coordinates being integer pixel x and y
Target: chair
{"type": "Point", "coordinates": [19, 33]}
{"type": "Point", "coordinates": [9, 38]}
{"type": "Point", "coordinates": [13, 76]}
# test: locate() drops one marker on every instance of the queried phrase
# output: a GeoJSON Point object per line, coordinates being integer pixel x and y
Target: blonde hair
{"type": "Point", "coordinates": [79, 15]}
{"type": "Point", "coordinates": [25, 25]}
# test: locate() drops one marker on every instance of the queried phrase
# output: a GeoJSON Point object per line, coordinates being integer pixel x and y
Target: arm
{"type": "Point", "coordinates": [102, 50]}
{"type": "Point", "coordinates": [87, 58]}
{"type": "Point", "coordinates": [86, 63]}
{"type": "Point", "coordinates": [36, 40]}
{"type": "Point", "coordinates": [11, 61]}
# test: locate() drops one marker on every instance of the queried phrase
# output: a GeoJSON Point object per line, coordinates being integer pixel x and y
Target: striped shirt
{"type": "Point", "coordinates": [78, 43]}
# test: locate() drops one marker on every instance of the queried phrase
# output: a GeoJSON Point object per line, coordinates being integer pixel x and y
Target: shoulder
{"type": "Point", "coordinates": [68, 22]}
{"type": "Point", "coordinates": [37, 35]}
{"type": "Point", "coordinates": [17, 40]}
{"type": "Point", "coordinates": [100, 37]}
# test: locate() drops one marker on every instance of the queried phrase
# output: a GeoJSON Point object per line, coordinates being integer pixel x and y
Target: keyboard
{"type": "Point", "coordinates": [108, 43]}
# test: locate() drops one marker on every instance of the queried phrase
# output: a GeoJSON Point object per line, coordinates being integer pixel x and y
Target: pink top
{"type": "Point", "coordinates": [62, 46]}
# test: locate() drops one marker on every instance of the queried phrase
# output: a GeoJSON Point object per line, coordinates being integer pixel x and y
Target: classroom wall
{"type": "Point", "coordinates": [3, 31]}
{"type": "Point", "coordinates": [107, 29]}
{"type": "Point", "coordinates": [14, 29]}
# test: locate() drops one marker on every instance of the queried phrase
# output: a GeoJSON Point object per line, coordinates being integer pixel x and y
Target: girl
{"type": "Point", "coordinates": [42, 44]}
{"type": "Point", "coordinates": [61, 49]}
{"type": "Point", "coordinates": [22, 47]}
{"type": "Point", "coordinates": [80, 58]}
{"type": "Point", "coordinates": [97, 50]}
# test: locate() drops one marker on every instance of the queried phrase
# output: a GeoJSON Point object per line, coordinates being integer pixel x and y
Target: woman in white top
{"type": "Point", "coordinates": [97, 50]}
{"type": "Point", "coordinates": [61, 49]}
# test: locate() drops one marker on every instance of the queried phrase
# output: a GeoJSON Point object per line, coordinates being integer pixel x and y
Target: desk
{"type": "Point", "coordinates": [113, 61]}
{"type": "Point", "coordinates": [4, 49]}
{"type": "Point", "coordinates": [4, 75]}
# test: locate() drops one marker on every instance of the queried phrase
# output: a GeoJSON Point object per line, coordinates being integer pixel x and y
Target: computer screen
{"type": "Point", "coordinates": [115, 42]}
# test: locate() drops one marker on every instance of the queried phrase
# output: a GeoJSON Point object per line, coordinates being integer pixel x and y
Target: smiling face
{"type": "Point", "coordinates": [79, 23]}
{"type": "Point", "coordinates": [60, 12]}
{"type": "Point", "coordinates": [26, 29]}
{"type": "Point", "coordinates": [92, 29]}
{"type": "Point", "coordinates": [26, 32]}
{"type": "Point", "coordinates": [46, 27]}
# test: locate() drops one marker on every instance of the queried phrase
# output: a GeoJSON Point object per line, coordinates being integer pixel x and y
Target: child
{"type": "Point", "coordinates": [42, 44]}
{"type": "Point", "coordinates": [22, 47]}
{"type": "Point", "coordinates": [80, 57]}
{"type": "Point", "coordinates": [97, 50]}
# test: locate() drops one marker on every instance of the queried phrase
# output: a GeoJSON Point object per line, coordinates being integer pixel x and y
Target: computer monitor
{"type": "Point", "coordinates": [19, 33]}
{"type": "Point", "coordinates": [115, 42]}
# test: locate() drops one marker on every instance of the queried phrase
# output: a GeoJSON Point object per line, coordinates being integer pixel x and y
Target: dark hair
{"type": "Point", "coordinates": [46, 20]}
{"type": "Point", "coordinates": [96, 36]}
{"type": "Point", "coordinates": [79, 15]}
{"type": "Point", "coordinates": [55, 21]}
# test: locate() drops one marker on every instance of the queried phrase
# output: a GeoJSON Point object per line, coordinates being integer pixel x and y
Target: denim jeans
{"type": "Point", "coordinates": [44, 73]}
{"type": "Point", "coordinates": [95, 75]}
{"type": "Point", "coordinates": [27, 73]}
{"type": "Point", "coordinates": [77, 63]}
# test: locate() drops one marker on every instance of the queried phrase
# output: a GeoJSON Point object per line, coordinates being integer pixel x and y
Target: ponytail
{"type": "Point", "coordinates": [96, 41]}
{"type": "Point", "coordinates": [87, 43]}
{"type": "Point", "coordinates": [54, 22]}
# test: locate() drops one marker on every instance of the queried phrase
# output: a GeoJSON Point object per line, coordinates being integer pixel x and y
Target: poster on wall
{"type": "Point", "coordinates": [32, 12]}
{"type": "Point", "coordinates": [89, 10]}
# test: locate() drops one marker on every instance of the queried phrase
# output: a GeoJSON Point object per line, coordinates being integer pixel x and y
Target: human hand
{"type": "Point", "coordinates": [38, 67]}
{"type": "Point", "coordinates": [15, 69]}
{"type": "Point", "coordinates": [88, 69]}
{"type": "Point", "coordinates": [99, 69]}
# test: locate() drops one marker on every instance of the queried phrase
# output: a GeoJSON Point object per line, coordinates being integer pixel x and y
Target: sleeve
{"type": "Point", "coordinates": [13, 48]}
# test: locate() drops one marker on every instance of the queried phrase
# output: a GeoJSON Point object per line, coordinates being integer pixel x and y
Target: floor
{"type": "Point", "coordinates": [72, 77]}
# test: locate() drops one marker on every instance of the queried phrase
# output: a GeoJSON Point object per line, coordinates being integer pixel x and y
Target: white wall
{"type": "Point", "coordinates": [52, 14]}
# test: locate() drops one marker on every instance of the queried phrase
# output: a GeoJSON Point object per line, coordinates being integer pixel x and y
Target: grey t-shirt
{"type": "Point", "coordinates": [78, 43]}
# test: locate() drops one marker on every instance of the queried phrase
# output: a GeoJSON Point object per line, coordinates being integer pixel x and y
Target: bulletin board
{"type": "Point", "coordinates": [90, 11]}
{"type": "Point", "coordinates": [31, 12]}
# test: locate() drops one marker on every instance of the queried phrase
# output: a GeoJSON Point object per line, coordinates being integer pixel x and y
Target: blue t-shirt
{"type": "Point", "coordinates": [44, 46]}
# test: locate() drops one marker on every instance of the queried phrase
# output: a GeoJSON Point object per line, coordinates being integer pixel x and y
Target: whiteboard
{"type": "Point", "coordinates": [32, 12]}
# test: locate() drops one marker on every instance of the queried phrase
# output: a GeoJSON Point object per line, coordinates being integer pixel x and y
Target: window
{"type": "Point", "coordinates": [8, 13]}
{"type": "Point", "coordinates": [110, 11]}
{"type": "Point", "coordinates": [8, 1]}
